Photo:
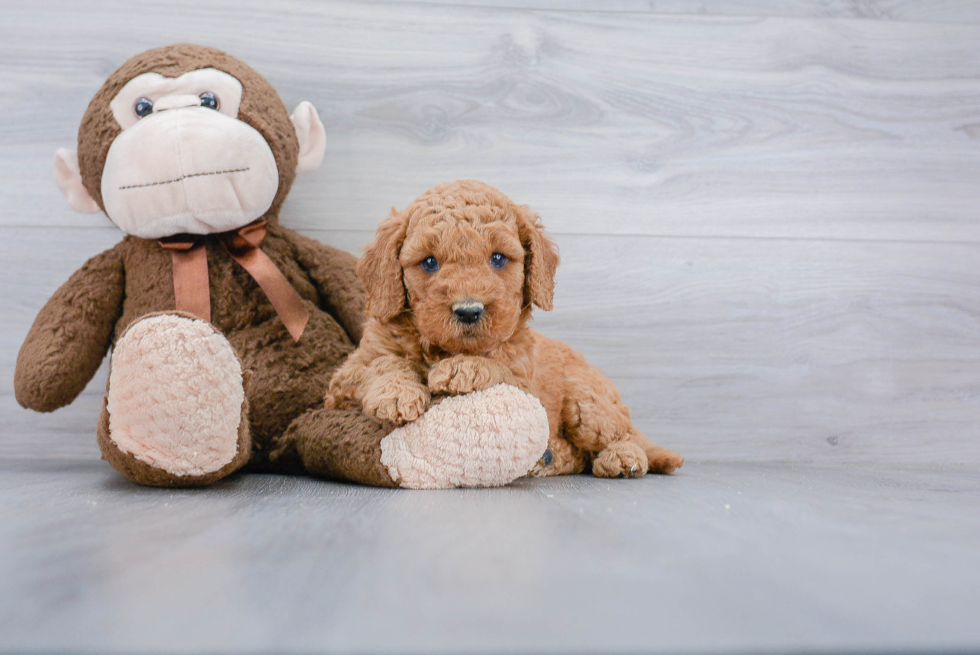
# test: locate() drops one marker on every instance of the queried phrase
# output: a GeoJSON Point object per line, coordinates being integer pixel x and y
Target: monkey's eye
{"type": "Point", "coordinates": [497, 260]}
{"type": "Point", "coordinates": [143, 107]}
{"type": "Point", "coordinates": [430, 264]}
{"type": "Point", "coordinates": [209, 100]}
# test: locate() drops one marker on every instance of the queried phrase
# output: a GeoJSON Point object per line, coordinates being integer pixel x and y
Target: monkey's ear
{"type": "Point", "coordinates": [69, 180]}
{"type": "Point", "coordinates": [312, 137]}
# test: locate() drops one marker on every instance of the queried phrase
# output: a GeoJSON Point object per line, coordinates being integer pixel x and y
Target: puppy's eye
{"type": "Point", "coordinates": [497, 260]}
{"type": "Point", "coordinates": [430, 264]}
{"type": "Point", "coordinates": [143, 107]}
{"type": "Point", "coordinates": [209, 100]}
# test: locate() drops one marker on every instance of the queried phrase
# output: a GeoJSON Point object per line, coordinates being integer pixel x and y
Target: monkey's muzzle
{"type": "Point", "coordinates": [188, 170]}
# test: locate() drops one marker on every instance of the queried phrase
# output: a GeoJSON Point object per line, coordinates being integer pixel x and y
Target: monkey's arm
{"type": "Point", "coordinates": [334, 274]}
{"type": "Point", "coordinates": [71, 335]}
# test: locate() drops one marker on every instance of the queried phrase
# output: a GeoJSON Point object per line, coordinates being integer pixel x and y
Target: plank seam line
{"type": "Point", "coordinates": [653, 14]}
{"type": "Point", "coordinates": [617, 235]}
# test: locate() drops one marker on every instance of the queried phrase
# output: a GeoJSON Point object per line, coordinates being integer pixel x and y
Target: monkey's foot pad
{"type": "Point", "coordinates": [175, 395]}
{"type": "Point", "coordinates": [483, 439]}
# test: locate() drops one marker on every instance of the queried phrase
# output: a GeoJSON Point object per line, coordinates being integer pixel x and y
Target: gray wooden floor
{"type": "Point", "coordinates": [769, 216]}
{"type": "Point", "coordinates": [742, 558]}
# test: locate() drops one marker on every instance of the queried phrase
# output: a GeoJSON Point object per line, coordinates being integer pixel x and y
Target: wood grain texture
{"type": "Point", "coordinates": [604, 122]}
{"type": "Point", "coordinates": [724, 348]}
{"type": "Point", "coordinates": [954, 11]}
{"type": "Point", "coordinates": [767, 224]}
{"type": "Point", "coordinates": [768, 216]}
{"type": "Point", "coordinates": [718, 558]}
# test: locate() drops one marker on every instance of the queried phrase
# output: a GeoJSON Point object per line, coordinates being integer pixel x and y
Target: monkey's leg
{"type": "Point", "coordinates": [341, 444]}
{"type": "Point", "coordinates": [483, 439]}
{"type": "Point", "coordinates": [175, 413]}
{"type": "Point", "coordinates": [597, 421]}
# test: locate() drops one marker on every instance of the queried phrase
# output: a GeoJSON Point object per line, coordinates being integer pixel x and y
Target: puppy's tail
{"type": "Point", "coordinates": [660, 459]}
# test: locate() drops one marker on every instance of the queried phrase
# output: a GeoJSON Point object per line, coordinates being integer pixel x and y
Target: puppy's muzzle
{"type": "Point", "coordinates": [468, 311]}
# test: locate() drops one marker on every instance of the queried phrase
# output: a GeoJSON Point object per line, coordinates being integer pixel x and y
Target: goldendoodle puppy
{"type": "Point", "coordinates": [450, 283]}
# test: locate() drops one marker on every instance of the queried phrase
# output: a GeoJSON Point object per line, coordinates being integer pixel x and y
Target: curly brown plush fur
{"type": "Point", "coordinates": [284, 380]}
{"type": "Point", "coordinates": [420, 342]}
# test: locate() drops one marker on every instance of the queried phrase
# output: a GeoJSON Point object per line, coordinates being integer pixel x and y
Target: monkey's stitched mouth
{"type": "Point", "coordinates": [183, 177]}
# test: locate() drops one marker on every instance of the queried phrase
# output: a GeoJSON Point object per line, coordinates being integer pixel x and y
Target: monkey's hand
{"type": "Point", "coordinates": [461, 374]}
{"type": "Point", "coordinates": [71, 335]}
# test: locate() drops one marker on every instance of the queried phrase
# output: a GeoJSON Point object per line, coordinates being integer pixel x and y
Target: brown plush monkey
{"type": "Point", "coordinates": [225, 327]}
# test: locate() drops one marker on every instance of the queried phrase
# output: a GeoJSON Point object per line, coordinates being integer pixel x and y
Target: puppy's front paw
{"type": "Point", "coordinates": [465, 374]}
{"type": "Point", "coordinates": [620, 459]}
{"type": "Point", "coordinates": [442, 378]}
{"type": "Point", "coordinates": [397, 403]}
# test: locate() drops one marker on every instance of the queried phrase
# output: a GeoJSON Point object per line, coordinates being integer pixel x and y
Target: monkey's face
{"type": "Point", "coordinates": [183, 161]}
{"type": "Point", "coordinates": [187, 139]}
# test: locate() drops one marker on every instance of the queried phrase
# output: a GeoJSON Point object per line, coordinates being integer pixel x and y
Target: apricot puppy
{"type": "Point", "coordinates": [450, 282]}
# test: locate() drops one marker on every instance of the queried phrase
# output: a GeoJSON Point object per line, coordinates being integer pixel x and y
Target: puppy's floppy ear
{"type": "Point", "coordinates": [380, 271]}
{"type": "Point", "coordinates": [540, 260]}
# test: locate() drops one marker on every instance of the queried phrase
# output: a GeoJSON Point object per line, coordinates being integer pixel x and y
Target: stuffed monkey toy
{"type": "Point", "coordinates": [225, 327]}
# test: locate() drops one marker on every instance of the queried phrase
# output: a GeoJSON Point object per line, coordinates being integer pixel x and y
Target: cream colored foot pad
{"type": "Point", "coordinates": [483, 439]}
{"type": "Point", "coordinates": [175, 395]}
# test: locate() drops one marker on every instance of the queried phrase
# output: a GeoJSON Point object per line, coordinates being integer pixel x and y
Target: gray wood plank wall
{"type": "Point", "coordinates": [768, 211]}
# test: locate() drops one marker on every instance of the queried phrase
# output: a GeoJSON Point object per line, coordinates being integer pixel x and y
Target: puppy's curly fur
{"type": "Point", "coordinates": [450, 282]}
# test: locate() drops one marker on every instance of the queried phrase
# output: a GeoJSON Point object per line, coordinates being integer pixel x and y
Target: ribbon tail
{"type": "Point", "coordinates": [284, 298]}
{"type": "Point", "coordinates": [191, 289]}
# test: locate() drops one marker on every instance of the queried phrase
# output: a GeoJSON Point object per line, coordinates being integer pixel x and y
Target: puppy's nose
{"type": "Point", "coordinates": [468, 311]}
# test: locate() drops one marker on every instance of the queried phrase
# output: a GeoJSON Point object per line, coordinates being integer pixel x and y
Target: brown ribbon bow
{"type": "Point", "coordinates": [190, 258]}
